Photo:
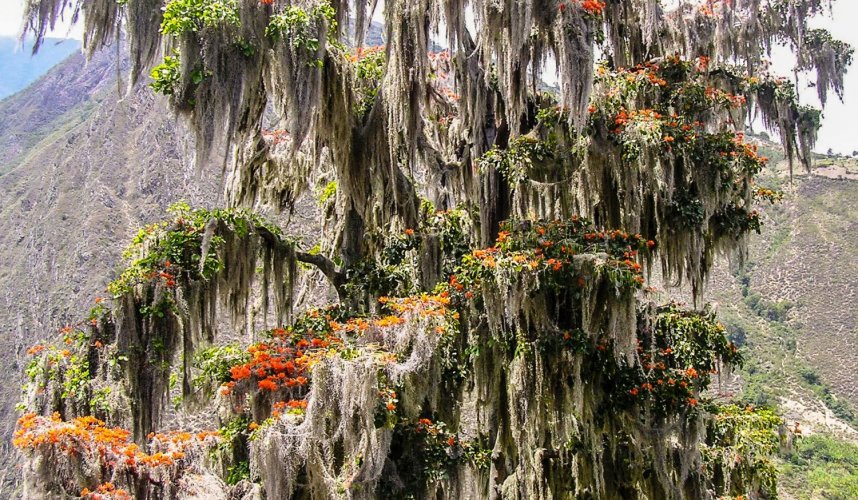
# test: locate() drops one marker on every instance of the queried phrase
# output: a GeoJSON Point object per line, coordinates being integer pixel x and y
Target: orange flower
{"type": "Point", "coordinates": [240, 372]}
{"type": "Point", "coordinates": [36, 349]}
{"type": "Point", "coordinates": [268, 385]}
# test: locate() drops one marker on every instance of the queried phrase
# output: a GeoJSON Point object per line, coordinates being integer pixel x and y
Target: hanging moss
{"type": "Point", "coordinates": [492, 341]}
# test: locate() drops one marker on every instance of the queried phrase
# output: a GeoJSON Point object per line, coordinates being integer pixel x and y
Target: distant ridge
{"type": "Point", "coordinates": [19, 67]}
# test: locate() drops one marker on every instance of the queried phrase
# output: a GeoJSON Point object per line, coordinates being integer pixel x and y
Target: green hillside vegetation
{"type": "Point", "coordinates": [822, 467]}
{"type": "Point", "coordinates": [783, 325]}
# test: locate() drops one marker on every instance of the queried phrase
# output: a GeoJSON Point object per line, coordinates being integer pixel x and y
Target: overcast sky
{"type": "Point", "coordinates": [839, 131]}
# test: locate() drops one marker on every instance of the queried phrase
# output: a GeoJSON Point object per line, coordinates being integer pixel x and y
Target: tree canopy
{"type": "Point", "coordinates": [499, 180]}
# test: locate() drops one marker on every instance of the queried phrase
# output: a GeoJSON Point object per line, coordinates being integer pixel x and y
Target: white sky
{"type": "Point", "coordinates": [839, 130]}
{"type": "Point", "coordinates": [11, 15]}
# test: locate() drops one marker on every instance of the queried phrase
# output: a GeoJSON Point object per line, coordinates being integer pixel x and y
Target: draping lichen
{"type": "Point", "coordinates": [499, 199]}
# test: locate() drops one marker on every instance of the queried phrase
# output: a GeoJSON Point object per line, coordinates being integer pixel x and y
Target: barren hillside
{"type": "Point", "coordinates": [81, 172]}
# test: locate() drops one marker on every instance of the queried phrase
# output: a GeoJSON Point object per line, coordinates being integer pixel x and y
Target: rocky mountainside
{"type": "Point", "coordinates": [82, 170]}
{"type": "Point", "coordinates": [19, 68]}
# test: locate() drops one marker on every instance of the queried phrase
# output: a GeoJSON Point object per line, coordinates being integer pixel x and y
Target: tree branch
{"type": "Point", "coordinates": [328, 268]}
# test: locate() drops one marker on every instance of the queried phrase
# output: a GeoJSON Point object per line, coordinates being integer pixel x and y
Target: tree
{"type": "Point", "coordinates": [488, 236]}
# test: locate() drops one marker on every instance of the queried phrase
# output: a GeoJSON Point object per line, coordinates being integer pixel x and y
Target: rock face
{"type": "Point", "coordinates": [82, 171]}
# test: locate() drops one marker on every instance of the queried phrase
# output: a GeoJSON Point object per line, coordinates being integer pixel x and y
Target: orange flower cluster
{"type": "Point", "coordinates": [282, 367]}
{"type": "Point", "coordinates": [747, 149]}
{"type": "Point", "coordinates": [713, 8]}
{"type": "Point", "coordinates": [388, 399]}
{"type": "Point", "coordinates": [714, 94]}
{"type": "Point", "coordinates": [768, 194]}
{"type": "Point", "coordinates": [89, 437]}
{"type": "Point", "coordinates": [592, 7]}
{"type": "Point", "coordinates": [625, 117]}
{"type": "Point", "coordinates": [36, 349]}
{"type": "Point", "coordinates": [364, 52]}
{"type": "Point", "coordinates": [274, 367]}
{"type": "Point", "coordinates": [424, 305]}
{"type": "Point", "coordinates": [551, 246]}
{"type": "Point", "coordinates": [105, 491]}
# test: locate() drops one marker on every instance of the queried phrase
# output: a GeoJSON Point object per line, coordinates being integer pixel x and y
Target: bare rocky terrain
{"type": "Point", "coordinates": [81, 170]}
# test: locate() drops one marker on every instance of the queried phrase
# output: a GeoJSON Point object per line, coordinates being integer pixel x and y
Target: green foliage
{"type": "Point", "coordinates": [234, 434]}
{"type": "Point", "coordinates": [393, 271]}
{"type": "Point", "coordinates": [818, 40]}
{"type": "Point", "coordinates": [697, 339]}
{"type": "Point", "coordinates": [678, 356]}
{"type": "Point", "coordinates": [304, 29]}
{"type": "Point", "coordinates": [166, 76]}
{"type": "Point", "coordinates": [822, 466]}
{"type": "Point", "coordinates": [735, 220]}
{"type": "Point", "coordinates": [76, 376]}
{"type": "Point", "coordinates": [184, 16]}
{"type": "Point", "coordinates": [752, 434]}
{"type": "Point", "coordinates": [171, 250]}
{"type": "Point", "coordinates": [427, 452]}
{"type": "Point", "coordinates": [101, 400]}
{"type": "Point", "coordinates": [770, 310]}
{"type": "Point", "coordinates": [549, 116]}
{"type": "Point", "coordinates": [329, 191]}
{"type": "Point", "coordinates": [215, 362]}
{"type": "Point", "coordinates": [369, 70]}
{"type": "Point", "coordinates": [453, 229]}
{"type": "Point", "coordinates": [515, 162]}
{"type": "Point", "coordinates": [238, 472]}
{"type": "Point", "coordinates": [686, 211]}
{"type": "Point", "coordinates": [548, 249]}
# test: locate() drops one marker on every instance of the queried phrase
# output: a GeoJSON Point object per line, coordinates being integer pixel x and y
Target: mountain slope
{"type": "Point", "coordinates": [83, 171]}
{"type": "Point", "coordinates": [19, 67]}
{"type": "Point", "coordinates": [52, 106]}
{"type": "Point", "coordinates": [793, 305]}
